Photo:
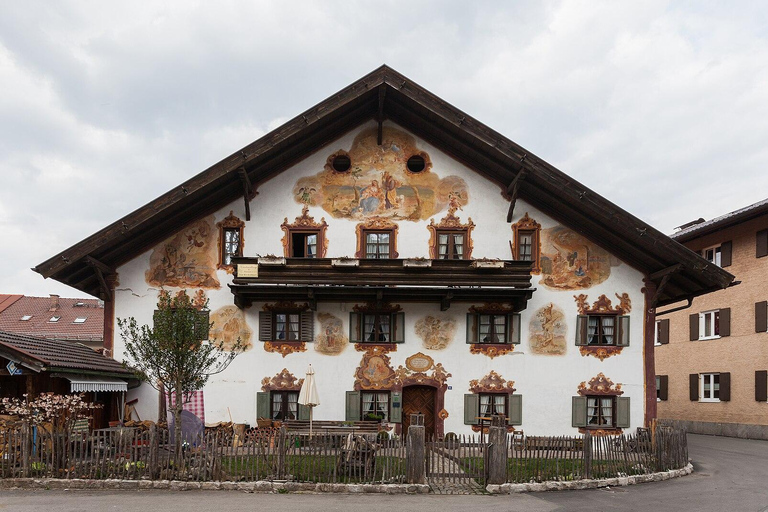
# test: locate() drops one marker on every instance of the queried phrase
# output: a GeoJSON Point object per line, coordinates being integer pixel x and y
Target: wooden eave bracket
{"type": "Point", "coordinates": [380, 114]}
{"type": "Point", "coordinates": [247, 191]}
{"type": "Point", "coordinates": [513, 189]}
{"type": "Point", "coordinates": [665, 275]}
{"type": "Point", "coordinates": [101, 270]}
{"type": "Point", "coordinates": [445, 302]}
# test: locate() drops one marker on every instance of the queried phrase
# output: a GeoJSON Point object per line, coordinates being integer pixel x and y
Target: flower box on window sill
{"type": "Point", "coordinates": [487, 264]}
{"type": "Point", "coordinates": [345, 262]}
{"type": "Point", "coordinates": [417, 263]}
{"type": "Point", "coordinates": [272, 260]}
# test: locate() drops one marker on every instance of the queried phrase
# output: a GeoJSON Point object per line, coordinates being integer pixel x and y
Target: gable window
{"type": "Point", "coordinates": [496, 328]}
{"type": "Point", "coordinates": [600, 411]}
{"type": "Point", "coordinates": [450, 244]}
{"type": "Point", "coordinates": [376, 239]}
{"type": "Point", "coordinates": [303, 245]}
{"type": "Point", "coordinates": [286, 325]}
{"type": "Point", "coordinates": [230, 240]}
{"type": "Point", "coordinates": [284, 405]}
{"type": "Point", "coordinates": [375, 406]}
{"type": "Point", "coordinates": [378, 245]}
{"type": "Point", "coordinates": [525, 245]}
{"type": "Point", "coordinates": [710, 387]}
{"type": "Point", "coordinates": [376, 327]}
{"type": "Point", "coordinates": [602, 330]}
{"type": "Point", "coordinates": [526, 236]}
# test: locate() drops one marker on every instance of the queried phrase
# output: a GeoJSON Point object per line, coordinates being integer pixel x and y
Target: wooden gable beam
{"type": "Point", "coordinates": [513, 189]}
{"type": "Point", "coordinates": [247, 188]}
{"type": "Point", "coordinates": [380, 114]}
{"type": "Point", "coordinates": [101, 269]}
{"type": "Point", "coordinates": [665, 275]}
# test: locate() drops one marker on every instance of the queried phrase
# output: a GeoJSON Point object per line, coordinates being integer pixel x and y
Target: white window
{"type": "Point", "coordinates": [709, 387]}
{"type": "Point", "coordinates": [26, 318]}
{"type": "Point", "coordinates": [709, 325]}
{"type": "Point", "coordinates": [80, 320]}
{"type": "Point", "coordinates": [712, 254]}
{"type": "Point", "coordinates": [657, 333]}
{"type": "Point", "coordinates": [54, 319]}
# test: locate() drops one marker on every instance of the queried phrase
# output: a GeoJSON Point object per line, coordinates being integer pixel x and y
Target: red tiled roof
{"type": "Point", "coordinates": [41, 312]}
{"type": "Point", "coordinates": [55, 355]}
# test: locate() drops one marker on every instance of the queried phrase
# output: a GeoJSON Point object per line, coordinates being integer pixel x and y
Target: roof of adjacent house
{"type": "Point", "coordinates": [76, 319]}
{"type": "Point", "coordinates": [699, 229]}
{"type": "Point", "coordinates": [51, 355]}
{"type": "Point", "coordinates": [386, 94]}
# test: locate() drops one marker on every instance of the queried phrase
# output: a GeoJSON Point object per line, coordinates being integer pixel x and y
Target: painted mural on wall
{"type": "Point", "coordinates": [571, 262]}
{"type": "Point", "coordinates": [186, 260]}
{"type": "Point", "coordinates": [548, 331]}
{"type": "Point", "coordinates": [378, 182]}
{"type": "Point", "coordinates": [331, 339]}
{"type": "Point", "coordinates": [228, 325]}
{"type": "Point", "coordinates": [436, 332]}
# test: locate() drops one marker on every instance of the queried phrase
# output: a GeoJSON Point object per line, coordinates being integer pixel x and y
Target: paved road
{"type": "Point", "coordinates": [731, 475]}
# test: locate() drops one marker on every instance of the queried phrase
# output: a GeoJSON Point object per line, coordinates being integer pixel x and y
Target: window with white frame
{"type": "Point", "coordinates": [713, 254]}
{"type": "Point", "coordinates": [657, 333]}
{"type": "Point", "coordinates": [709, 324]}
{"type": "Point", "coordinates": [709, 387]}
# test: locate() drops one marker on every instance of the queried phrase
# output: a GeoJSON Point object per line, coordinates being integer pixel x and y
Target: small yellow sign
{"type": "Point", "coordinates": [247, 270]}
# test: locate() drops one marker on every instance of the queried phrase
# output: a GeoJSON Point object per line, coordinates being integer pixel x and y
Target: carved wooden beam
{"type": "Point", "coordinates": [311, 300]}
{"type": "Point", "coordinates": [665, 276]}
{"type": "Point", "coordinates": [512, 190]}
{"type": "Point", "coordinates": [380, 114]}
{"type": "Point", "coordinates": [246, 191]}
{"type": "Point", "coordinates": [445, 302]}
{"type": "Point", "coordinates": [100, 269]}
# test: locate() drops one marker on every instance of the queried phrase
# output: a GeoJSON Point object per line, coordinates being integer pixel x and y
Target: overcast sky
{"type": "Point", "coordinates": [662, 107]}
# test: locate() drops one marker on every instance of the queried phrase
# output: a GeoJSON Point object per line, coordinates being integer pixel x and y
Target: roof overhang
{"type": "Point", "coordinates": [386, 94]}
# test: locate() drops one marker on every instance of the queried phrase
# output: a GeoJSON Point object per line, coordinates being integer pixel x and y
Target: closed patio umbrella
{"type": "Point", "coordinates": [308, 394]}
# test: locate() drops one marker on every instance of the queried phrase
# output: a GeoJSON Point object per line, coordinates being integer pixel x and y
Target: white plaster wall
{"type": "Point", "coordinates": [547, 383]}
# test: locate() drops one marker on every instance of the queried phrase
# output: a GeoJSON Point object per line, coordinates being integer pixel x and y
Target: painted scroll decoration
{"type": "Point", "coordinates": [187, 259]}
{"type": "Point", "coordinates": [379, 183]}
{"type": "Point", "coordinates": [436, 332]}
{"type": "Point", "coordinates": [332, 339]}
{"type": "Point", "coordinates": [603, 306]}
{"type": "Point", "coordinates": [306, 222]}
{"type": "Point", "coordinates": [452, 223]}
{"type": "Point", "coordinates": [571, 262]}
{"type": "Point", "coordinates": [547, 331]}
{"type": "Point", "coordinates": [283, 381]}
{"type": "Point", "coordinates": [228, 325]}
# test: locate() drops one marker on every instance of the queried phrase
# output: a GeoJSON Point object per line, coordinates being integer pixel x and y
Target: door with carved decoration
{"type": "Point", "coordinates": [419, 399]}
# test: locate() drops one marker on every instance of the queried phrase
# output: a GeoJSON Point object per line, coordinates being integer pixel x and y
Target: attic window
{"type": "Point", "coordinates": [54, 319]}
{"type": "Point", "coordinates": [416, 163]}
{"type": "Point", "coordinates": [341, 163]}
{"type": "Point", "coordinates": [26, 318]}
{"type": "Point", "coordinates": [80, 320]}
{"type": "Point", "coordinates": [79, 304]}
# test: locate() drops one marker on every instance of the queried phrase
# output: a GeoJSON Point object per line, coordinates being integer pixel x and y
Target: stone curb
{"type": "Point", "coordinates": [250, 487]}
{"type": "Point", "coordinates": [590, 483]}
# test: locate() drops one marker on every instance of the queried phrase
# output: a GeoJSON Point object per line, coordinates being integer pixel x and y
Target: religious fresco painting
{"type": "Point", "coordinates": [379, 183]}
{"type": "Point", "coordinates": [547, 331]}
{"type": "Point", "coordinates": [436, 332]}
{"type": "Point", "coordinates": [228, 325]}
{"type": "Point", "coordinates": [332, 339]}
{"type": "Point", "coordinates": [571, 262]}
{"type": "Point", "coordinates": [186, 260]}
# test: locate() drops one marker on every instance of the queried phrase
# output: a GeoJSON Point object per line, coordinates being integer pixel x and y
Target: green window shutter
{"type": "Point", "coordinates": [622, 412]}
{"type": "Point", "coordinates": [398, 328]}
{"type": "Point", "coordinates": [354, 328]}
{"type": "Point", "coordinates": [623, 340]}
{"type": "Point", "coordinates": [581, 331]}
{"type": "Point", "coordinates": [693, 322]}
{"type": "Point", "coordinates": [262, 405]}
{"type": "Point", "coordinates": [515, 410]}
{"type": "Point", "coordinates": [471, 409]}
{"type": "Point", "coordinates": [726, 248]}
{"type": "Point", "coordinates": [472, 327]}
{"type": "Point", "coordinates": [303, 412]}
{"type": "Point", "coordinates": [265, 326]}
{"type": "Point", "coordinates": [395, 407]}
{"type": "Point", "coordinates": [725, 322]}
{"type": "Point", "coordinates": [307, 326]}
{"type": "Point", "coordinates": [514, 332]}
{"type": "Point", "coordinates": [693, 387]}
{"type": "Point", "coordinates": [352, 409]}
{"type": "Point", "coordinates": [579, 411]}
{"type": "Point", "coordinates": [725, 386]}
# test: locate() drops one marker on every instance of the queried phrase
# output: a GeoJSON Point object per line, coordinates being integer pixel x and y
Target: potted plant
{"type": "Point", "coordinates": [372, 416]}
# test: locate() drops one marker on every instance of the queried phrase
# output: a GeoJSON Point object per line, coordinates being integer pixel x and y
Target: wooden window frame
{"type": "Point", "coordinates": [305, 224]}
{"type": "Point", "coordinates": [390, 244]}
{"type": "Point", "coordinates": [511, 320]}
{"type": "Point", "coordinates": [234, 224]}
{"type": "Point", "coordinates": [308, 232]}
{"type": "Point", "coordinates": [711, 398]}
{"type": "Point", "coordinates": [376, 225]}
{"type": "Point", "coordinates": [375, 393]}
{"type": "Point", "coordinates": [450, 224]}
{"type": "Point", "coordinates": [395, 318]}
{"type": "Point", "coordinates": [284, 403]}
{"type": "Point", "coordinates": [288, 323]}
{"type": "Point", "coordinates": [451, 243]}
{"type": "Point", "coordinates": [614, 409]}
{"type": "Point", "coordinates": [600, 333]}
{"type": "Point", "coordinates": [492, 403]}
{"type": "Point", "coordinates": [524, 226]}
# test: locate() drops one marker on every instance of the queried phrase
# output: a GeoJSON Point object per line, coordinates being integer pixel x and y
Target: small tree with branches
{"type": "Point", "coordinates": [175, 353]}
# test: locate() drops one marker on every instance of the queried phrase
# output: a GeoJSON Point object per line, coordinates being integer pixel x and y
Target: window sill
{"type": "Point", "coordinates": [709, 338]}
{"type": "Point", "coordinates": [709, 400]}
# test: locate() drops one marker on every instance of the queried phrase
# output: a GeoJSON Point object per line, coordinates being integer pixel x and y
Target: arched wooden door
{"type": "Point", "coordinates": [419, 399]}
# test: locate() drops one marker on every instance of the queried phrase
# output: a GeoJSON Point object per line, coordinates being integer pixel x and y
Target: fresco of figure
{"type": "Point", "coordinates": [370, 197]}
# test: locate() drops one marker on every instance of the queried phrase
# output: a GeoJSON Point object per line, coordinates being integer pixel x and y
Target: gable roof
{"type": "Point", "coordinates": [40, 310]}
{"type": "Point", "coordinates": [386, 94]}
{"type": "Point", "coordinates": [50, 355]}
{"type": "Point", "coordinates": [700, 229]}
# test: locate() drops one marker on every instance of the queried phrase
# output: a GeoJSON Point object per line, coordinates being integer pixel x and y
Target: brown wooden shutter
{"type": "Point", "coordinates": [761, 243]}
{"type": "Point", "coordinates": [693, 387]}
{"type": "Point", "coordinates": [307, 327]}
{"type": "Point", "coordinates": [761, 316]}
{"type": "Point", "coordinates": [265, 326]}
{"type": "Point", "coordinates": [694, 322]}
{"type": "Point", "coordinates": [725, 322]}
{"type": "Point", "coordinates": [663, 387]}
{"type": "Point", "coordinates": [725, 387]}
{"type": "Point", "coordinates": [761, 386]}
{"type": "Point", "coordinates": [726, 248]}
{"type": "Point", "coordinates": [664, 331]}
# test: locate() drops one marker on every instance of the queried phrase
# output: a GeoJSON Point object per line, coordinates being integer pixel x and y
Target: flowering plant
{"type": "Point", "coordinates": [59, 410]}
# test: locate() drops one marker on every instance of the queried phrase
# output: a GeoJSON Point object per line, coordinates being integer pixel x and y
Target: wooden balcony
{"type": "Point", "coordinates": [387, 280]}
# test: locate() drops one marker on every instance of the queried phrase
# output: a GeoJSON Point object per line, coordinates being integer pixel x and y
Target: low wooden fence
{"type": "Point", "coordinates": [278, 454]}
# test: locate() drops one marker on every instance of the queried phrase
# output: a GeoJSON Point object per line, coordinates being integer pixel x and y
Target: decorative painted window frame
{"type": "Point", "coordinates": [231, 221]}
{"type": "Point", "coordinates": [451, 224]}
{"type": "Point", "coordinates": [376, 224]}
{"type": "Point", "coordinates": [603, 306]}
{"type": "Point", "coordinates": [494, 349]}
{"type": "Point", "coordinates": [601, 386]}
{"type": "Point", "coordinates": [527, 224]}
{"type": "Point", "coordinates": [493, 384]}
{"type": "Point", "coordinates": [378, 309]}
{"type": "Point", "coordinates": [305, 223]}
{"type": "Point", "coordinates": [279, 346]}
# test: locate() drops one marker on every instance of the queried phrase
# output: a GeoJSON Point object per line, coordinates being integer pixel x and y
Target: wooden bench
{"type": "Point", "coordinates": [332, 427]}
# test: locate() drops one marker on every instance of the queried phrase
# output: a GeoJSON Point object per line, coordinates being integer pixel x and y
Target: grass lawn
{"type": "Point", "coordinates": [541, 470]}
{"type": "Point", "coordinates": [309, 468]}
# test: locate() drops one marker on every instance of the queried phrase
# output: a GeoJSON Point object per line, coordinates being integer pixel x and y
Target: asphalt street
{"type": "Point", "coordinates": [730, 475]}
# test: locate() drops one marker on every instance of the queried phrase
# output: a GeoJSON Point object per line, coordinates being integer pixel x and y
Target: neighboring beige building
{"type": "Point", "coordinates": [711, 358]}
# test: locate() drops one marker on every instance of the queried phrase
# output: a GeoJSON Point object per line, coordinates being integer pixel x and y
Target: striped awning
{"type": "Point", "coordinates": [84, 384]}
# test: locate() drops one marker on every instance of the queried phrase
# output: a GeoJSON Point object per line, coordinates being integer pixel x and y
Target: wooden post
{"type": "Point", "coordinates": [282, 447]}
{"type": "Point", "coordinates": [587, 455]}
{"type": "Point", "coordinates": [415, 453]}
{"type": "Point", "coordinates": [25, 447]}
{"type": "Point", "coordinates": [497, 450]}
{"type": "Point", "coordinates": [154, 447]}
